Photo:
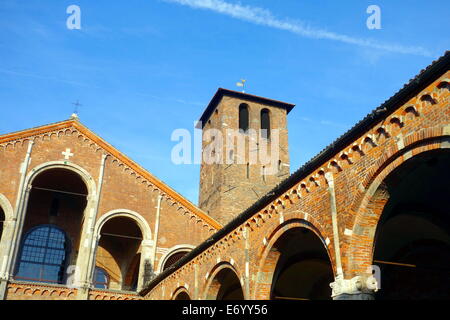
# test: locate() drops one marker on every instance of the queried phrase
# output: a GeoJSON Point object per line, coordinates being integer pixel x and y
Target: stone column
{"type": "Point", "coordinates": [247, 263]}
{"type": "Point", "coordinates": [146, 269]}
{"type": "Point", "coordinates": [84, 271]}
{"type": "Point", "coordinates": [155, 235]}
{"type": "Point", "coordinates": [196, 287]}
{"type": "Point", "coordinates": [8, 228]}
{"type": "Point", "coordinates": [85, 264]}
{"type": "Point", "coordinates": [334, 220]}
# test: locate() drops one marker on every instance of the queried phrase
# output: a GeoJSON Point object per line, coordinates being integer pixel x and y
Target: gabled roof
{"type": "Point", "coordinates": [240, 95]}
{"type": "Point", "coordinates": [414, 86]}
{"type": "Point", "coordinates": [116, 153]}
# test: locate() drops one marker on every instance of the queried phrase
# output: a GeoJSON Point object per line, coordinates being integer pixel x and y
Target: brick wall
{"type": "Point", "coordinates": [225, 188]}
{"type": "Point", "coordinates": [125, 185]}
{"type": "Point", "coordinates": [419, 125]}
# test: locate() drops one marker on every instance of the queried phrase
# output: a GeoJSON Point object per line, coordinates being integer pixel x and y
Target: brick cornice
{"type": "Point", "coordinates": [109, 149]}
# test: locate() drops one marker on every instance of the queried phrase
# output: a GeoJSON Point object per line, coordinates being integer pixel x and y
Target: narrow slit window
{"type": "Point", "coordinates": [243, 118]}
{"type": "Point", "coordinates": [265, 123]}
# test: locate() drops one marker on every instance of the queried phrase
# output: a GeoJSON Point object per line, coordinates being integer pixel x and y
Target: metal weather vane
{"type": "Point", "coordinates": [241, 84]}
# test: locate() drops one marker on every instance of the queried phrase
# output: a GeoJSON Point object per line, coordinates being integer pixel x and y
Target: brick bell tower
{"type": "Point", "coordinates": [244, 151]}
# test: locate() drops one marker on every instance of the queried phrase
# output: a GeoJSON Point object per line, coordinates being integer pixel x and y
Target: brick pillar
{"type": "Point", "coordinates": [15, 226]}
{"type": "Point", "coordinates": [146, 269]}
{"type": "Point", "coordinates": [264, 278]}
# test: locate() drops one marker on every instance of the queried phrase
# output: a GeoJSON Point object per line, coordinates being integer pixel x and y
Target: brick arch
{"type": "Point", "coordinates": [180, 290]}
{"type": "Point", "coordinates": [23, 201]}
{"type": "Point", "coordinates": [422, 137]}
{"type": "Point", "coordinates": [368, 214]}
{"type": "Point", "coordinates": [210, 290]}
{"type": "Point", "coordinates": [173, 250]}
{"type": "Point", "coordinates": [136, 217]}
{"type": "Point", "coordinates": [142, 224]}
{"type": "Point", "coordinates": [269, 258]}
{"type": "Point", "coordinates": [67, 165]}
{"type": "Point", "coordinates": [6, 207]}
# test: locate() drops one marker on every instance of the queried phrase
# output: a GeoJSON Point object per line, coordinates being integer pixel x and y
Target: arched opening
{"type": "Point", "coordinates": [265, 123]}
{"type": "Point", "coordinates": [118, 252]}
{"type": "Point", "coordinates": [243, 117]}
{"type": "Point", "coordinates": [101, 278]}
{"type": "Point", "coordinates": [225, 286]}
{"type": "Point", "coordinates": [52, 226]}
{"type": "Point", "coordinates": [302, 267]}
{"type": "Point", "coordinates": [182, 296]}
{"type": "Point", "coordinates": [173, 258]}
{"type": "Point", "coordinates": [412, 246]}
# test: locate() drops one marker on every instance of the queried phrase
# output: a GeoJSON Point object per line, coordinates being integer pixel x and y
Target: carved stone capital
{"type": "Point", "coordinates": [147, 243]}
{"type": "Point", "coordinates": [359, 287]}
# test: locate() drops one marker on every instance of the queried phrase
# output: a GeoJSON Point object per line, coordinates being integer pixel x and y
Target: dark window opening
{"type": "Point", "coordinates": [243, 118]}
{"type": "Point", "coordinates": [265, 123]}
{"type": "Point", "coordinates": [174, 258]}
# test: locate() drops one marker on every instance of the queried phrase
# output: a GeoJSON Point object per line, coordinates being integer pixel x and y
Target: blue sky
{"type": "Point", "coordinates": [142, 69]}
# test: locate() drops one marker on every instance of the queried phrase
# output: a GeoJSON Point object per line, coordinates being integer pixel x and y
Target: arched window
{"type": "Point", "coordinates": [174, 258]}
{"type": "Point", "coordinates": [243, 117]}
{"type": "Point", "coordinates": [265, 123]}
{"type": "Point", "coordinates": [101, 278]}
{"type": "Point", "coordinates": [44, 255]}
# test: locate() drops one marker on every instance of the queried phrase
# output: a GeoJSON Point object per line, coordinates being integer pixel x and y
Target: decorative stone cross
{"type": "Point", "coordinates": [67, 154]}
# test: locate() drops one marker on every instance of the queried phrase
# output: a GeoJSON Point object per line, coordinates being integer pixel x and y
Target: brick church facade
{"type": "Point", "coordinates": [367, 218]}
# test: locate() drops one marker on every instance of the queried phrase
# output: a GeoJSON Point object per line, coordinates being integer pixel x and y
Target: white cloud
{"type": "Point", "coordinates": [44, 77]}
{"type": "Point", "coordinates": [264, 17]}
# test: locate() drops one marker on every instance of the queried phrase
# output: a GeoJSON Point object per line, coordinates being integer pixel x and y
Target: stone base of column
{"type": "Point", "coordinates": [3, 288]}
{"type": "Point", "coordinates": [358, 296]}
{"type": "Point", "coordinates": [83, 293]}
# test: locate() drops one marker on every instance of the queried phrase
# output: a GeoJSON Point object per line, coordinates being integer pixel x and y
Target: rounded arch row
{"type": "Point", "coordinates": [374, 199]}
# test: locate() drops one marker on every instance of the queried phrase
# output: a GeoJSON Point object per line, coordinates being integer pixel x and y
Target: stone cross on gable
{"type": "Point", "coordinates": [67, 154]}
